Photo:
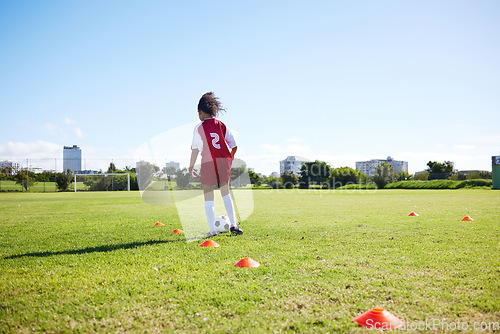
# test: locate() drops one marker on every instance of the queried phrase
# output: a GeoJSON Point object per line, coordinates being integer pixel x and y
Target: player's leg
{"type": "Point", "coordinates": [208, 193]}
{"type": "Point", "coordinates": [208, 180]}
{"type": "Point", "coordinates": [228, 204]}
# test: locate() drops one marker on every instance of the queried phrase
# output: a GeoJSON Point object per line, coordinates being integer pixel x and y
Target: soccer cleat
{"type": "Point", "coordinates": [209, 235]}
{"type": "Point", "coordinates": [236, 230]}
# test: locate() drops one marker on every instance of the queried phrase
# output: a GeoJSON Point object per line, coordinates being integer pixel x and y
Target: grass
{"type": "Point", "coordinates": [93, 262]}
{"type": "Point", "coordinates": [11, 186]}
{"type": "Point", "coordinates": [39, 186]}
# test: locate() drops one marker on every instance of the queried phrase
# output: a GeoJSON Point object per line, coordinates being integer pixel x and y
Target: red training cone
{"type": "Point", "coordinates": [209, 243]}
{"type": "Point", "coordinates": [159, 224]}
{"type": "Point", "coordinates": [467, 218]}
{"type": "Point", "coordinates": [177, 231]}
{"type": "Point", "coordinates": [378, 318]}
{"type": "Point", "coordinates": [413, 214]}
{"type": "Point", "coordinates": [246, 262]}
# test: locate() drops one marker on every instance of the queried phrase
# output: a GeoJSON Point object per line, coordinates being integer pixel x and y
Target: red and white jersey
{"type": "Point", "coordinates": [213, 139]}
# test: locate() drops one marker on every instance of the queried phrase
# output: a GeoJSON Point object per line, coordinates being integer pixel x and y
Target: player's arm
{"type": "Point", "coordinates": [195, 149]}
{"type": "Point", "coordinates": [231, 142]}
{"type": "Point", "coordinates": [194, 156]}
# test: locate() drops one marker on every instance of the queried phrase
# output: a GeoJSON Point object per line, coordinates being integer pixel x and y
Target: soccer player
{"type": "Point", "coordinates": [217, 146]}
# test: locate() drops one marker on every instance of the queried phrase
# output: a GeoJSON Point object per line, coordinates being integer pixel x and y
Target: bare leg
{"type": "Point", "coordinates": [208, 192]}
{"type": "Point", "coordinates": [224, 189]}
{"type": "Point", "coordinates": [228, 203]}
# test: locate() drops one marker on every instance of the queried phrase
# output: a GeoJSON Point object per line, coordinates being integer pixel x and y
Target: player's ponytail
{"type": "Point", "coordinates": [210, 104]}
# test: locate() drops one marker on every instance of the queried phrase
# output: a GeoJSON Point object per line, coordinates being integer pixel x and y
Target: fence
{"type": "Point", "coordinates": [40, 175]}
{"type": "Point", "coordinates": [40, 186]}
{"type": "Point", "coordinates": [57, 165]}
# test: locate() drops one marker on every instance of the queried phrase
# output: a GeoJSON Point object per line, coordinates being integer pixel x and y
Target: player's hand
{"type": "Point", "coordinates": [194, 173]}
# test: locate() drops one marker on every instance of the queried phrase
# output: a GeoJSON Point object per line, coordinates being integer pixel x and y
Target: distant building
{"type": "Point", "coordinates": [174, 164]}
{"type": "Point", "coordinates": [89, 172]}
{"type": "Point", "coordinates": [274, 174]}
{"type": "Point", "coordinates": [368, 167]}
{"type": "Point", "coordinates": [72, 158]}
{"type": "Point", "coordinates": [292, 163]}
{"type": "Point", "coordinates": [34, 169]}
{"type": "Point", "coordinates": [10, 164]}
{"type": "Point", "coordinates": [470, 172]}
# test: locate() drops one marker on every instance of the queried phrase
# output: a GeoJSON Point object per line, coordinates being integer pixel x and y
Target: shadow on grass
{"type": "Point", "coordinates": [97, 249]}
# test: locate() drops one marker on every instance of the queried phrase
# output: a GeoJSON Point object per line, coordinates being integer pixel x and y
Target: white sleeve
{"type": "Point", "coordinates": [231, 142]}
{"type": "Point", "coordinates": [197, 141]}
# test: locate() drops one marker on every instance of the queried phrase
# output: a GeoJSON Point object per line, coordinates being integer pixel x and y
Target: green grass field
{"type": "Point", "coordinates": [93, 262]}
{"type": "Point", "coordinates": [38, 187]}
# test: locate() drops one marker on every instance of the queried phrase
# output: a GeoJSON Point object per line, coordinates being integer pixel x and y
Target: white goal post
{"type": "Point", "coordinates": [105, 174]}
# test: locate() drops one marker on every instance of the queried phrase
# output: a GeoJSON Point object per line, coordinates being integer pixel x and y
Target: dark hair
{"type": "Point", "coordinates": [210, 104]}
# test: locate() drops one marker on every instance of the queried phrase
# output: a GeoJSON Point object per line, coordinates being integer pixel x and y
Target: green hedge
{"type": "Point", "coordinates": [440, 184]}
{"type": "Point", "coordinates": [369, 186]}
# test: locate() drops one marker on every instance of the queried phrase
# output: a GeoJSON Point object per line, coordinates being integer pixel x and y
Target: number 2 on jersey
{"type": "Point", "coordinates": [215, 140]}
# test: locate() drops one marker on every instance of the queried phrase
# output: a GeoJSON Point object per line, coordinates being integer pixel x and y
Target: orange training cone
{"type": "Point", "coordinates": [413, 214]}
{"type": "Point", "coordinates": [177, 231]}
{"type": "Point", "coordinates": [159, 224]}
{"type": "Point", "coordinates": [467, 218]}
{"type": "Point", "coordinates": [209, 243]}
{"type": "Point", "coordinates": [378, 318]}
{"type": "Point", "coordinates": [246, 262]}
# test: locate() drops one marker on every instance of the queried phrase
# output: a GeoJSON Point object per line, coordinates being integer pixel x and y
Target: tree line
{"type": "Point", "coordinates": [28, 178]}
{"type": "Point", "coordinates": [316, 174]}
{"type": "Point", "coordinates": [64, 180]}
{"type": "Point", "coordinates": [319, 174]}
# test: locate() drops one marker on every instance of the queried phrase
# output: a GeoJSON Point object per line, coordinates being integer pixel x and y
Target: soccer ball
{"type": "Point", "coordinates": [222, 224]}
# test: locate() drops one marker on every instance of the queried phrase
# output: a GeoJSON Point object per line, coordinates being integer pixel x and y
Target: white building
{"type": "Point", "coordinates": [368, 167]}
{"type": "Point", "coordinates": [88, 172]}
{"type": "Point", "coordinates": [72, 158]}
{"type": "Point", "coordinates": [470, 172]}
{"type": "Point", "coordinates": [10, 164]}
{"type": "Point", "coordinates": [292, 163]}
{"type": "Point", "coordinates": [34, 169]}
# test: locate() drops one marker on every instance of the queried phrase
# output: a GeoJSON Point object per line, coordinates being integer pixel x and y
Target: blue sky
{"type": "Point", "coordinates": [338, 81]}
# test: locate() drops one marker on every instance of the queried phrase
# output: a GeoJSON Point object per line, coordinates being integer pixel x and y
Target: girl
{"type": "Point", "coordinates": [217, 146]}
